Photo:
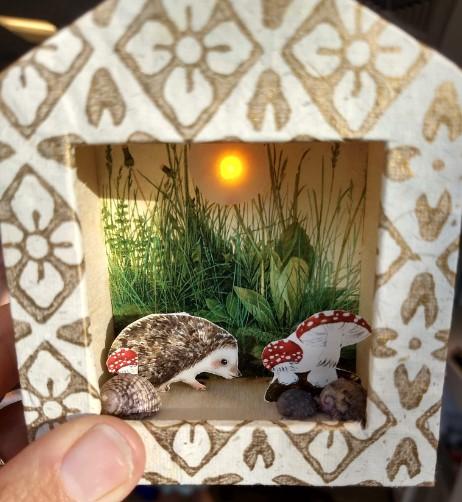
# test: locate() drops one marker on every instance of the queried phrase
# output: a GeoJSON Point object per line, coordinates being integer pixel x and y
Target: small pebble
{"type": "Point", "coordinates": [343, 400]}
{"type": "Point", "coordinates": [296, 404]}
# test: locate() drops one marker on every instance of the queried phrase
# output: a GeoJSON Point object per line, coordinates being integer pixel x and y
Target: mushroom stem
{"type": "Point", "coordinates": [320, 377]}
{"type": "Point", "coordinates": [285, 373]}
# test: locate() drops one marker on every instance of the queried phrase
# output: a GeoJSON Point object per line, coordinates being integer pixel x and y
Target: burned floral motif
{"type": "Point", "coordinates": [49, 401]}
{"type": "Point", "coordinates": [41, 244]}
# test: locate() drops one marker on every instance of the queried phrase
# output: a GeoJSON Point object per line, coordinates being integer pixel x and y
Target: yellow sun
{"type": "Point", "coordinates": [231, 169]}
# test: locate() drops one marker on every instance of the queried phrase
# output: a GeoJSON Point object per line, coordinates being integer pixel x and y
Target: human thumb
{"type": "Point", "coordinates": [92, 458]}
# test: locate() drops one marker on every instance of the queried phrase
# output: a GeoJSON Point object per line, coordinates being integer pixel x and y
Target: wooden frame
{"type": "Point", "coordinates": [96, 82]}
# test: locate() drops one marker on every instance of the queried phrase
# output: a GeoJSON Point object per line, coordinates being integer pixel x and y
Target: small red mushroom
{"type": "Point", "coordinates": [315, 347]}
{"type": "Point", "coordinates": [123, 360]}
{"type": "Point", "coordinates": [280, 357]}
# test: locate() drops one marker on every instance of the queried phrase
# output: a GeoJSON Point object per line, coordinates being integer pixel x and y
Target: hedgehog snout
{"type": "Point", "coordinates": [235, 371]}
{"type": "Point", "coordinates": [231, 372]}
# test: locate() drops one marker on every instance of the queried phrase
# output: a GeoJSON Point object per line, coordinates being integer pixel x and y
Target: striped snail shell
{"type": "Point", "coordinates": [129, 396]}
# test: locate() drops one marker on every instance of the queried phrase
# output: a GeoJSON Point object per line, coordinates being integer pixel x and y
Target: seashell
{"type": "Point", "coordinates": [129, 396]}
{"type": "Point", "coordinates": [297, 404]}
{"type": "Point", "coordinates": [343, 400]}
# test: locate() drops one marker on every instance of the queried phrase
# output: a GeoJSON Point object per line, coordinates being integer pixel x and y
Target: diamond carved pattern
{"type": "Point", "coordinates": [352, 70]}
{"type": "Point", "coordinates": [352, 446]}
{"type": "Point", "coordinates": [40, 237]}
{"type": "Point", "coordinates": [195, 62]}
{"type": "Point", "coordinates": [49, 401]}
{"type": "Point", "coordinates": [423, 424]}
{"type": "Point", "coordinates": [191, 445]}
{"type": "Point", "coordinates": [406, 254]}
{"type": "Point", "coordinates": [41, 78]}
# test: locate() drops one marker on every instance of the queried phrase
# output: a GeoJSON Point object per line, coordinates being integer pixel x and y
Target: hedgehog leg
{"type": "Point", "coordinates": [195, 384]}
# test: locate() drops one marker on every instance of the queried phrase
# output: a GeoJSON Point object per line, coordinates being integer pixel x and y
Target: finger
{"type": "Point", "coordinates": [92, 458]}
{"type": "Point", "coordinates": [3, 288]}
{"type": "Point", "coordinates": [8, 370]}
{"type": "Point", "coordinates": [13, 434]}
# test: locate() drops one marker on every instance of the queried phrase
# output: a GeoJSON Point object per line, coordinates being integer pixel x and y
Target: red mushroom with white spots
{"type": "Point", "coordinates": [123, 360]}
{"type": "Point", "coordinates": [320, 339]}
{"type": "Point", "coordinates": [281, 357]}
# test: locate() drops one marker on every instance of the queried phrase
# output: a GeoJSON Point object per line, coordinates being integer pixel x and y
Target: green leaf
{"type": "Point", "coordinates": [257, 305]}
{"type": "Point", "coordinates": [217, 311]}
{"type": "Point", "coordinates": [245, 339]}
{"type": "Point", "coordinates": [277, 293]}
{"type": "Point", "coordinates": [254, 340]}
{"type": "Point", "coordinates": [256, 334]}
{"type": "Point", "coordinates": [294, 242]}
{"type": "Point", "coordinates": [232, 306]}
{"type": "Point", "coordinates": [292, 282]}
{"type": "Point", "coordinates": [257, 349]}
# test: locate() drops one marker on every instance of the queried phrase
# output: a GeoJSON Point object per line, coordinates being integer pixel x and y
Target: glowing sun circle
{"type": "Point", "coordinates": [231, 169]}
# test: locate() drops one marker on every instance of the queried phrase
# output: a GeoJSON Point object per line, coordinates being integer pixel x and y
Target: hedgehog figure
{"type": "Point", "coordinates": [168, 348]}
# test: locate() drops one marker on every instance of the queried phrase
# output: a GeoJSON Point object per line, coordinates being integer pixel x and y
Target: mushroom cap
{"type": "Point", "coordinates": [121, 358]}
{"type": "Point", "coordinates": [354, 327]}
{"type": "Point", "coordinates": [281, 351]}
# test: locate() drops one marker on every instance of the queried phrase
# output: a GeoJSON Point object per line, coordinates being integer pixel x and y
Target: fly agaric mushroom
{"type": "Point", "coordinates": [123, 360]}
{"type": "Point", "coordinates": [280, 357]}
{"type": "Point", "coordinates": [320, 339]}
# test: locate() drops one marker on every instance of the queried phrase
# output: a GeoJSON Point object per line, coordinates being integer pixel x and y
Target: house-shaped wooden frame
{"type": "Point", "coordinates": [263, 71]}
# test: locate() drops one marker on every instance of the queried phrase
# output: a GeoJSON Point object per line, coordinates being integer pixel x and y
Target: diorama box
{"type": "Point", "coordinates": [348, 139]}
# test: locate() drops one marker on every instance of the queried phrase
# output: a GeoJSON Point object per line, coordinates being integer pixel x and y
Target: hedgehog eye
{"type": "Point", "coordinates": [224, 362]}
